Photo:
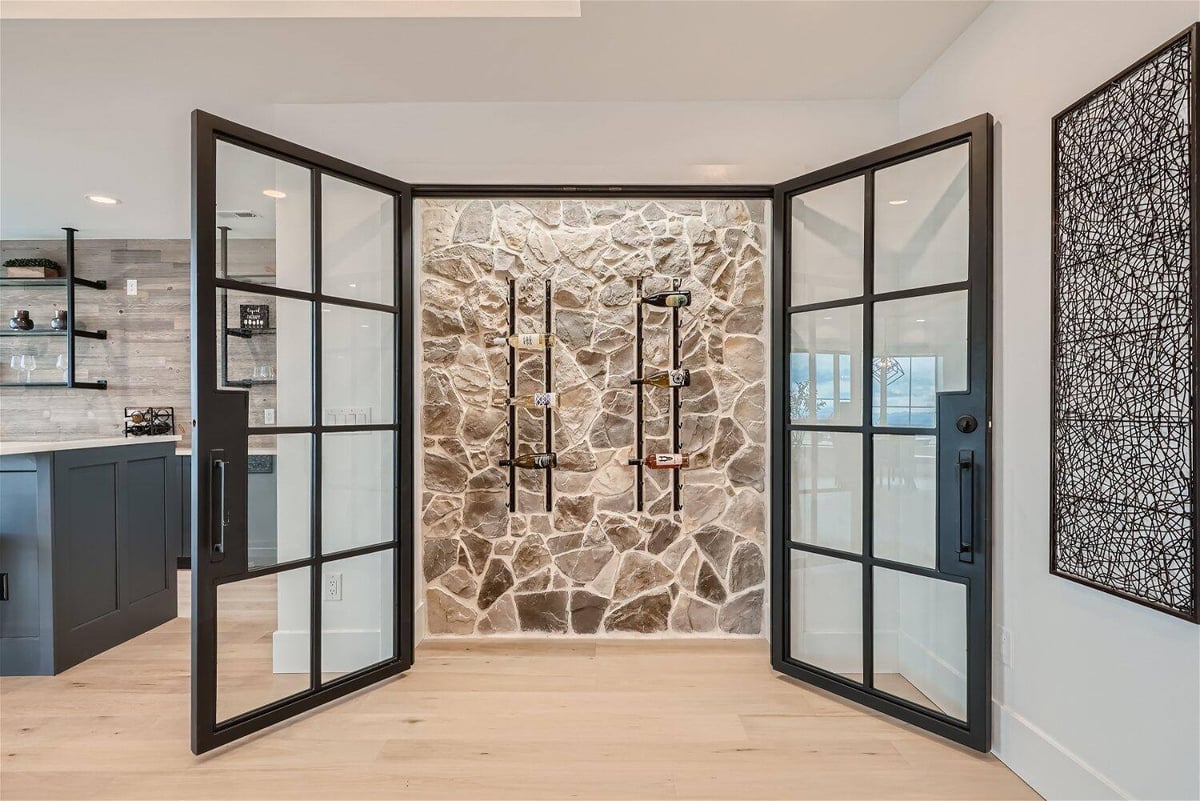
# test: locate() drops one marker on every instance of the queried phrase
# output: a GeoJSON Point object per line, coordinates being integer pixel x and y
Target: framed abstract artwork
{"type": "Point", "coordinates": [1124, 295]}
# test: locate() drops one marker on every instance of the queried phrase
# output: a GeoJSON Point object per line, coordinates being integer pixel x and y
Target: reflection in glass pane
{"type": "Point", "coordinates": [264, 346]}
{"type": "Point", "coordinates": [358, 363]}
{"type": "Point", "coordinates": [826, 614]}
{"type": "Point", "coordinates": [262, 641]}
{"type": "Point", "coordinates": [359, 629]}
{"type": "Point", "coordinates": [827, 242]}
{"type": "Point", "coordinates": [826, 503]}
{"type": "Point", "coordinates": [357, 242]}
{"type": "Point", "coordinates": [921, 221]}
{"type": "Point", "coordinates": [921, 640]}
{"type": "Point", "coordinates": [265, 205]}
{"type": "Point", "coordinates": [358, 480]}
{"type": "Point", "coordinates": [920, 350]}
{"type": "Point", "coordinates": [904, 503]}
{"type": "Point", "coordinates": [823, 376]}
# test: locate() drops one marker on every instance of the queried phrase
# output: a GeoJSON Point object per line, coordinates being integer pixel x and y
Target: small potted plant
{"type": "Point", "coordinates": [32, 268]}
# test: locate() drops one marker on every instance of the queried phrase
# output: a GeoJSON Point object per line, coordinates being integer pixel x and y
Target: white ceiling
{"type": "Point", "coordinates": [102, 105]}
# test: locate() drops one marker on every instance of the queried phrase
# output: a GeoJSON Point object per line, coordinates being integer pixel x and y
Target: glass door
{"type": "Point", "coordinates": [882, 284]}
{"type": "Point", "coordinates": [302, 391]}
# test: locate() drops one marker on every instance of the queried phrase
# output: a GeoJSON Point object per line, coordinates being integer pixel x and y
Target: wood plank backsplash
{"type": "Point", "coordinates": [146, 358]}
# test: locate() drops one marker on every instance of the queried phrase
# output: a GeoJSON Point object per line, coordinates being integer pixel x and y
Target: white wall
{"type": "Point", "coordinates": [1102, 698]}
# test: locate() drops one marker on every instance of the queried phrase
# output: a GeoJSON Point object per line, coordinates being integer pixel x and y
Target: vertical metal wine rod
{"type": "Point", "coordinates": [676, 423]}
{"type": "Point", "coordinates": [547, 373]}
{"type": "Point", "coordinates": [641, 465]}
{"type": "Point", "coordinates": [512, 388]}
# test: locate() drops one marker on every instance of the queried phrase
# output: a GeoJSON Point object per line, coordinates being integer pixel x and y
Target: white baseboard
{"type": "Point", "coordinates": [1044, 763]}
{"type": "Point", "coordinates": [419, 631]}
{"type": "Point", "coordinates": [341, 651]}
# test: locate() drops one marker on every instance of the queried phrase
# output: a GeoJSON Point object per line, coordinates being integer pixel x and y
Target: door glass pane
{"type": "Point", "coordinates": [920, 350]}
{"type": "Point", "coordinates": [921, 640]}
{"type": "Point", "coordinates": [824, 381]}
{"type": "Point", "coordinates": [262, 641]}
{"type": "Point", "coordinates": [278, 499]}
{"type": "Point", "coordinates": [358, 242]}
{"type": "Point", "coordinates": [358, 613]}
{"type": "Point", "coordinates": [904, 503]}
{"type": "Point", "coordinates": [264, 345]}
{"type": "Point", "coordinates": [827, 242]}
{"type": "Point", "coordinates": [826, 498]}
{"type": "Point", "coordinates": [826, 613]}
{"type": "Point", "coordinates": [358, 363]}
{"type": "Point", "coordinates": [358, 482]}
{"type": "Point", "coordinates": [921, 221]}
{"type": "Point", "coordinates": [265, 206]}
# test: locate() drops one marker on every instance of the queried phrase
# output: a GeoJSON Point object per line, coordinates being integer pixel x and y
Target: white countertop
{"type": "Point", "coordinates": [15, 448]}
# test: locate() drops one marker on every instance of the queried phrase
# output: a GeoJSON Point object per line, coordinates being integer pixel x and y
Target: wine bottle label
{"type": "Point", "coordinates": [542, 461]}
{"type": "Point", "coordinates": [525, 341]}
{"type": "Point", "coordinates": [677, 299]}
{"type": "Point", "coordinates": [667, 460]}
{"type": "Point", "coordinates": [545, 399]}
{"type": "Point", "coordinates": [679, 378]}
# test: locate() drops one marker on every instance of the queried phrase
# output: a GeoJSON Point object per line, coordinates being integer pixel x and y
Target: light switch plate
{"type": "Point", "coordinates": [130, 286]}
{"type": "Point", "coordinates": [269, 417]}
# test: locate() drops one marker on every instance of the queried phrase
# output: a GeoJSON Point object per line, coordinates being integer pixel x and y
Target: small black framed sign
{"type": "Point", "coordinates": [254, 316]}
{"type": "Point", "coordinates": [1124, 295]}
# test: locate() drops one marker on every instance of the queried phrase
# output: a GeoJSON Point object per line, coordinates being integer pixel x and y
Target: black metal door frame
{"type": "Point", "coordinates": [224, 413]}
{"type": "Point", "coordinates": [219, 437]}
{"type": "Point", "coordinates": [975, 574]}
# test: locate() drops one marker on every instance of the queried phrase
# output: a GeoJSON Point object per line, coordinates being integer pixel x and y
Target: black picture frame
{"type": "Point", "coordinates": [1125, 377]}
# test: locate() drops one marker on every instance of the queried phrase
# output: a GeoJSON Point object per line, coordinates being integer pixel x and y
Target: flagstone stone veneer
{"type": "Point", "coordinates": [593, 565]}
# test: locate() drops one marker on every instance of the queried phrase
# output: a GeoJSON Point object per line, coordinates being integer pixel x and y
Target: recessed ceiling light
{"type": "Point", "coordinates": [103, 200]}
{"type": "Point", "coordinates": [274, 193]}
{"type": "Point", "coordinates": [364, 325]}
{"type": "Point", "coordinates": [920, 319]}
{"type": "Point", "coordinates": [897, 202]}
{"type": "Point", "coordinates": [354, 286]}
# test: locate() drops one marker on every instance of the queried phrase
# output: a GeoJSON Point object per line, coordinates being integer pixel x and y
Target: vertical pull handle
{"type": "Point", "coordinates": [222, 522]}
{"type": "Point", "coordinates": [966, 506]}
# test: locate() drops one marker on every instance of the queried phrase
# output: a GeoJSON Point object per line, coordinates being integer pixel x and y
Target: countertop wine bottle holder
{"type": "Point", "coordinates": [547, 386]}
{"type": "Point", "coordinates": [639, 460]}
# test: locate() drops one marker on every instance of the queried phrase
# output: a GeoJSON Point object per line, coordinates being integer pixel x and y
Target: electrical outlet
{"type": "Point", "coordinates": [269, 417]}
{"type": "Point", "coordinates": [130, 286]}
{"type": "Point", "coordinates": [1006, 648]}
{"type": "Point", "coordinates": [333, 587]}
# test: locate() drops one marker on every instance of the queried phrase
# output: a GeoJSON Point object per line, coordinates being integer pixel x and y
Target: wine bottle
{"type": "Point", "coordinates": [532, 461]}
{"type": "Point", "coordinates": [673, 299]}
{"type": "Point", "coordinates": [538, 400]}
{"type": "Point", "coordinates": [666, 378]}
{"type": "Point", "coordinates": [526, 341]}
{"type": "Point", "coordinates": [665, 461]}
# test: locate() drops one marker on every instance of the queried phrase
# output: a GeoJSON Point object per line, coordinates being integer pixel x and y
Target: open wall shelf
{"type": "Point", "coordinates": [68, 283]}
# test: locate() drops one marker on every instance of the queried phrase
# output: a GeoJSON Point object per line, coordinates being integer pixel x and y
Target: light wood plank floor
{"type": "Point", "coordinates": [481, 720]}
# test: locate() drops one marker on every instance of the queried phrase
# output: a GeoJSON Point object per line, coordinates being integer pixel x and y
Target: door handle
{"type": "Point", "coordinates": [218, 468]}
{"type": "Point", "coordinates": [966, 506]}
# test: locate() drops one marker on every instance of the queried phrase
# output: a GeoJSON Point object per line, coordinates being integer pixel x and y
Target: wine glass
{"type": "Point", "coordinates": [28, 364]}
{"type": "Point", "coordinates": [60, 363]}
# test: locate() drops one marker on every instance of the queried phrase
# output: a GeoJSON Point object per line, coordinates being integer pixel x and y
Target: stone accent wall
{"type": "Point", "coordinates": [594, 565]}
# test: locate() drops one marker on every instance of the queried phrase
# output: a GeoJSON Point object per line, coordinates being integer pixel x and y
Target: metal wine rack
{"type": "Point", "coordinates": [640, 387]}
{"type": "Point", "coordinates": [547, 384]}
